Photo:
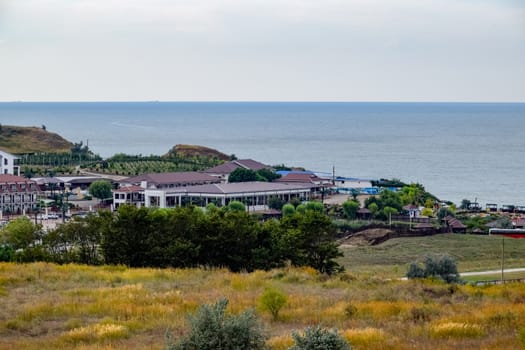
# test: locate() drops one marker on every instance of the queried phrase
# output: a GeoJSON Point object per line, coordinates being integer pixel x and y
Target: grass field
{"type": "Point", "coordinates": [471, 252]}
{"type": "Point", "coordinates": [47, 306]}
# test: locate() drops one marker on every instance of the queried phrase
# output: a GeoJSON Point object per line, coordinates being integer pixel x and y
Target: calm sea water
{"type": "Point", "coordinates": [457, 150]}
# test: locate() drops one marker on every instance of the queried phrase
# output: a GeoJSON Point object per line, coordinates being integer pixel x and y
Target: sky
{"type": "Point", "coordinates": [262, 50]}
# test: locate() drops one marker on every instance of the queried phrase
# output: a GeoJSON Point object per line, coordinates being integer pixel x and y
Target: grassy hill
{"type": "Point", "coordinates": [20, 140]}
{"type": "Point", "coordinates": [196, 151]}
{"type": "Point", "coordinates": [471, 252]}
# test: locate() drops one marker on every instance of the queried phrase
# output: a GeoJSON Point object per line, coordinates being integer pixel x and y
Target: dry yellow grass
{"type": "Point", "coordinates": [46, 306]}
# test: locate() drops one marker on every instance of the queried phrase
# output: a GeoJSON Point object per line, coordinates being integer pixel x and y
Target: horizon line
{"type": "Point", "coordinates": [257, 101]}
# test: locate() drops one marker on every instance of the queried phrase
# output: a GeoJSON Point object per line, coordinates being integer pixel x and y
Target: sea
{"type": "Point", "coordinates": [473, 151]}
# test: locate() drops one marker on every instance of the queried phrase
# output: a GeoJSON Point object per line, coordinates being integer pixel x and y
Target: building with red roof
{"type": "Point", "coordinates": [17, 194]}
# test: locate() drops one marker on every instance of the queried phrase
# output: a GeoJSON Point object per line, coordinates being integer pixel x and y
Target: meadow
{"type": "Point", "coordinates": [49, 306]}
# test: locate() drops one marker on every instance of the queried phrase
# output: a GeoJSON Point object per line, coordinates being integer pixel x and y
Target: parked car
{"type": "Point", "coordinates": [52, 216]}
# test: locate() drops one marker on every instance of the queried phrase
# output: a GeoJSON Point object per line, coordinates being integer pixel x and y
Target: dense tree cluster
{"type": "Point", "coordinates": [184, 237]}
{"type": "Point", "coordinates": [246, 175]}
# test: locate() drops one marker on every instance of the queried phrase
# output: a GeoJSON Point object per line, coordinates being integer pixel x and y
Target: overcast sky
{"type": "Point", "coordinates": [264, 50]}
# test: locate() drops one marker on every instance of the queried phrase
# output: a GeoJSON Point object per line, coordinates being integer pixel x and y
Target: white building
{"type": "Point", "coordinates": [7, 164]}
{"type": "Point", "coordinates": [255, 195]}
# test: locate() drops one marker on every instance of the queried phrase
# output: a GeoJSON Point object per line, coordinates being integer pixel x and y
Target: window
{"type": "Point", "coordinates": [5, 161]}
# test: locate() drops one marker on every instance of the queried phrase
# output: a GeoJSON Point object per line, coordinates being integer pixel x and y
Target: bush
{"type": "Point", "coordinates": [212, 329]}
{"type": "Point", "coordinates": [443, 267]}
{"type": "Point", "coordinates": [317, 338]}
{"type": "Point", "coordinates": [273, 300]}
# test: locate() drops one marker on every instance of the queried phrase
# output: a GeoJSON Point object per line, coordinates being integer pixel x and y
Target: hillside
{"type": "Point", "coordinates": [194, 150]}
{"type": "Point", "coordinates": [21, 139]}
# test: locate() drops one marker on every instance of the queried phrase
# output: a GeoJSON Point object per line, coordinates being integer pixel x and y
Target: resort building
{"type": "Point", "coordinates": [129, 195]}
{"type": "Point", "coordinates": [17, 194]}
{"type": "Point", "coordinates": [7, 164]}
{"type": "Point", "coordinates": [255, 195]}
{"type": "Point", "coordinates": [224, 170]}
{"type": "Point", "coordinates": [161, 181]}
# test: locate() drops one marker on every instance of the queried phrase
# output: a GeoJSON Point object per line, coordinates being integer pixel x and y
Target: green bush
{"type": "Point", "coordinates": [273, 301]}
{"type": "Point", "coordinates": [443, 267]}
{"type": "Point", "coordinates": [212, 329]}
{"type": "Point", "coordinates": [317, 338]}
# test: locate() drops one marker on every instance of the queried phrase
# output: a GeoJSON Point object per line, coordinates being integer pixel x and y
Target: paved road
{"type": "Point", "coordinates": [491, 272]}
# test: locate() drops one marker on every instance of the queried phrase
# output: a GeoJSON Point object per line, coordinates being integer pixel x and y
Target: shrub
{"type": "Point", "coordinates": [273, 300]}
{"type": "Point", "coordinates": [212, 329]}
{"type": "Point", "coordinates": [443, 267]}
{"type": "Point", "coordinates": [317, 338]}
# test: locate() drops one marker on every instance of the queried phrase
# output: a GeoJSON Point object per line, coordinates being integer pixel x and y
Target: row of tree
{"type": "Point", "coordinates": [180, 237]}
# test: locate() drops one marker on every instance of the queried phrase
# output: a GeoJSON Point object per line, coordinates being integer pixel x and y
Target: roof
{"type": "Point", "coordinates": [229, 167]}
{"type": "Point", "coordinates": [182, 177]}
{"type": "Point", "coordinates": [242, 188]}
{"type": "Point", "coordinates": [454, 223]}
{"type": "Point", "coordinates": [300, 177]}
{"type": "Point", "coordinates": [364, 211]}
{"type": "Point", "coordinates": [411, 207]}
{"type": "Point", "coordinates": [46, 180]}
{"type": "Point", "coordinates": [80, 179]}
{"type": "Point", "coordinates": [7, 154]}
{"type": "Point", "coordinates": [129, 189]}
{"type": "Point", "coordinates": [6, 178]}
{"type": "Point", "coordinates": [17, 184]}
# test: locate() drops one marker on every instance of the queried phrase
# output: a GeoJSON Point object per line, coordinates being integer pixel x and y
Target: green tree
{"type": "Point", "coordinates": [20, 233]}
{"type": "Point", "coordinates": [242, 175]}
{"type": "Point", "coordinates": [374, 208]}
{"type": "Point", "coordinates": [275, 202]}
{"type": "Point", "coordinates": [236, 206]}
{"type": "Point", "coordinates": [309, 240]}
{"type": "Point", "coordinates": [267, 175]}
{"type": "Point", "coordinates": [100, 189]}
{"type": "Point", "coordinates": [76, 241]}
{"type": "Point", "coordinates": [465, 204]}
{"type": "Point", "coordinates": [350, 208]}
{"type": "Point", "coordinates": [389, 211]}
{"type": "Point", "coordinates": [273, 300]}
{"type": "Point", "coordinates": [212, 329]}
{"type": "Point", "coordinates": [288, 209]}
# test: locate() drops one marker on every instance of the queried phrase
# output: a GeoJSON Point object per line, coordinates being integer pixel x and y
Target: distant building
{"type": "Point", "coordinates": [128, 195]}
{"type": "Point", "coordinates": [224, 170]}
{"type": "Point", "coordinates": [7, 164]}
{"type": "Point", "coordinates": [161, 181]}
{"type": "Point", "coordinates": [255, 195]}
{"type": "Point", "coordinates": [17, 194]}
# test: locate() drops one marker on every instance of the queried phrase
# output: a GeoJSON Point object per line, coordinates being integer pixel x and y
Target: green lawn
{"type": "Point", "coordinates": [471, 252]}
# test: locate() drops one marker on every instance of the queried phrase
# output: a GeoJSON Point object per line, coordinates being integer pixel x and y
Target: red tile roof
{"type": "Point", "coordinates": [6, 178]}
{"type": "Point", "coordinates": [16, 184]}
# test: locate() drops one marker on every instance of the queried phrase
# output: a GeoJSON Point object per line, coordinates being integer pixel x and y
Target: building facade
{"type": "Point", "coordinates": [8, 164]}
{"type": "Point", "coordinates": [255, 195]}
{"type": "Point", "coordinates": [17, 194]}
